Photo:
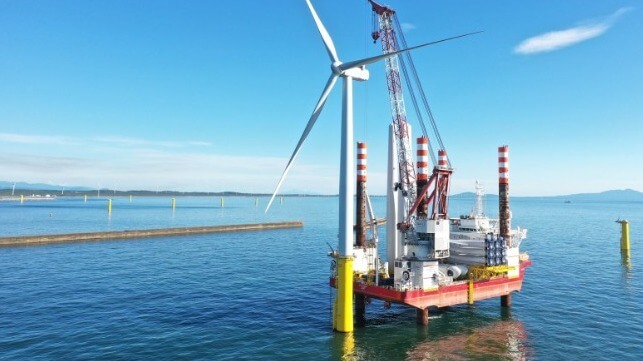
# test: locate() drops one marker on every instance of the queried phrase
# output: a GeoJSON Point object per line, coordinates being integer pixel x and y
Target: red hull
{"type": "Point", "coordinates": [446, 295]}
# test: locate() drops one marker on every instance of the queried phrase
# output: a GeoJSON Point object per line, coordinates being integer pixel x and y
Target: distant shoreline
{"type": "Point", "coordinates": [49, 194]}
{"type": "Point", "coordinates": [32, 193]}
{"type": "Point", "coordinates": [26, 198]}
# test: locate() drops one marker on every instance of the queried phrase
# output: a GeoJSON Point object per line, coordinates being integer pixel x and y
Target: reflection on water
{"type": "Point", "coordinates": [347, 347]}
{"type": "Point", "coordinates": [453, 334]}
{"type": "Point", "coordinates": [628, 272]}
{"type": "Point", "coordinates": [626, 261]}
{"type": "Point", "coordinates": [502, 340]}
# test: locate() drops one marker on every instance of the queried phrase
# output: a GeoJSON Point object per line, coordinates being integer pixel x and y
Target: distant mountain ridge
{"type": "Point", "coordinates": [6, 189]}
{"type": "Point", "coordinates": [611, 195]}
{"type": "Point", "coordinates": [629, 195]}
{"type": "Point", "coordinates": [41, 186]}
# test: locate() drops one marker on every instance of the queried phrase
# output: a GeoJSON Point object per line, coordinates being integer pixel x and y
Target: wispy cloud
{"type": "Point", "coordinates": [407, 26]}
{"type": "Point", "coordinates": [134, 163]}
{"type": "Point", "coordinates": [559, 39]}
{"type": "Point", "coordinates": [137, 142]}
{"type": "Point", "coordinates": [36, 139]}
{"type": "Point", "coordinates": [165, 170]}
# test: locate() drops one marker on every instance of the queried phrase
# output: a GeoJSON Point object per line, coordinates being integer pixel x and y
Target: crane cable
{"type": "Point", "coordinates": [420, 89]}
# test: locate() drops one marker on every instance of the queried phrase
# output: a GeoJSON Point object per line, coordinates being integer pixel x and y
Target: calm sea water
{"type": "Point", "coordinates": [265, 295]}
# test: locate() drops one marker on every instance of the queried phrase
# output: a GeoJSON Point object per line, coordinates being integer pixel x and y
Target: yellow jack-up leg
{"type": "Point", "coordinates": [343, 309]}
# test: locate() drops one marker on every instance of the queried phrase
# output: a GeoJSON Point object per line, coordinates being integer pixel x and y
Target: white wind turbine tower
{"type": "Point", "coordinates": [348, 71]}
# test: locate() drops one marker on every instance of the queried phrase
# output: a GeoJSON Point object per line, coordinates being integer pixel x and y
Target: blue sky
{"type": "Point", "coordinates": [212, 96]}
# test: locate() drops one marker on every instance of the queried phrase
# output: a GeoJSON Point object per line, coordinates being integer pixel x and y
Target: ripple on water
{"type": "Point", "coordinates": [264, 295]}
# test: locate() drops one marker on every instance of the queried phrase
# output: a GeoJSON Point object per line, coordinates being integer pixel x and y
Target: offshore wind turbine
{"type": "Point", "coordinates": [348, 71]}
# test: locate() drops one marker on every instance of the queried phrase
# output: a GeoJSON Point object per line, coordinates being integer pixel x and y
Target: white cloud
{"type": "Point", "coordinates": [127, 164]}
{"type": "Point", "coordinates": [407, 27]}
{"type": "Point", "coordinates": [127, 141]}
{"type": "Point", "coordinates": [554, 40]}
{"type": "Point", "coordinates": [169, 171]}
{"type": "Point", "coordinates": [559, 39]}
{"type": "Point", "coordinates": [36, 139]}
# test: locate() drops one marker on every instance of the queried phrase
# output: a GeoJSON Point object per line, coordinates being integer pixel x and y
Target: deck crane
{"type": "Point", "coordinates": [434, 192]}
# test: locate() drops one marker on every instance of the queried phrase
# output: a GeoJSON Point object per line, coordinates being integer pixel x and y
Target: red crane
{"type": "Point", "coordinates": [434, 192]}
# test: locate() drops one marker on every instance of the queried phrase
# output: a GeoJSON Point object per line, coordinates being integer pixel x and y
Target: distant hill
{"type": "Point", "coordinates": [620, 195]}
{"type": "Point", "coordinates": [6, 190]}
{"type": "Point", "coordinates": [470, 195]}
{"type": "Point", "coordinates": [40, 186]}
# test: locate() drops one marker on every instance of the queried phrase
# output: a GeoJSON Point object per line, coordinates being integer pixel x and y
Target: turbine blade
{"type": "Point", "coordinates": [330, 47]}
{"type": "Point", "coordinates": [313, 118]}
{"type": "Point", "coordinates": [356, 63]}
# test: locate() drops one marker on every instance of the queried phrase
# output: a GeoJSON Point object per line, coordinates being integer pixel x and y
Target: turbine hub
{"type": "Point", "coordinates": [334, 67]}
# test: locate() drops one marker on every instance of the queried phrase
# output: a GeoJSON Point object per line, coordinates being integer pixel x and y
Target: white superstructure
{"type": "Point", "coordinates": [477, 225]}
{"type": "Point", "coordinates": [475, 238]}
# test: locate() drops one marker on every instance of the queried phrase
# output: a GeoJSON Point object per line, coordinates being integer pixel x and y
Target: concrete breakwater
{"type": "Point", "coordinates": [144, 233]}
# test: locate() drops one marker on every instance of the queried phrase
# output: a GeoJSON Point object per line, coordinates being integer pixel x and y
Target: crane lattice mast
{"type": "Point", "coordinates": [435, 192]}
{"type": "Point", "coordinates": [400, 125]}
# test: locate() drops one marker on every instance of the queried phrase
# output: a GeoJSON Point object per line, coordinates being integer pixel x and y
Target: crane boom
{"type": "Point", "coordinates": [418, 195]}
{"type": "Point", "coordinates": [398, 111]}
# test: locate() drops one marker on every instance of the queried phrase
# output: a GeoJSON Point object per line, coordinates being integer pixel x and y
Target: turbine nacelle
{"type": "Point", "coordinates": [358, 73]}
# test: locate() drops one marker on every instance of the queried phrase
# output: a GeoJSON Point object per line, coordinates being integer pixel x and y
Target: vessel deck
{"type": "Point", "coordinates": [449, 295]}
